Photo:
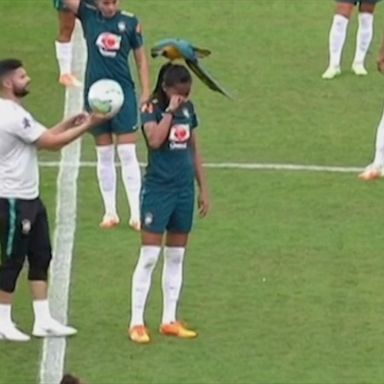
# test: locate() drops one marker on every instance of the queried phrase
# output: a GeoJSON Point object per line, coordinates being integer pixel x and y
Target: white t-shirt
{"type": "Point", "coordinates": [19, 170]}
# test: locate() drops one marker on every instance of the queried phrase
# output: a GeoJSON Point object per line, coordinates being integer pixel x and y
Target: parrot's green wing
{"type": "Point", "coordinates": [206, 78]}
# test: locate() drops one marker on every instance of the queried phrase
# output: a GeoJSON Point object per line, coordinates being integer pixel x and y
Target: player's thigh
{"type": "Point", "coordinates": [125, 122]}
{"type": "Point", "coordinates": [156, 207]}
{"type": "Point", "coordinates": [345, 7]}
{"type": "Point", "coordinates": [39, 246]}
{"type": "Point", "coordinates": [16, 218]}
{"type": "Point", "coordinates": [182, 217]}
{"type": "Point", "coordinates": [367, 6]}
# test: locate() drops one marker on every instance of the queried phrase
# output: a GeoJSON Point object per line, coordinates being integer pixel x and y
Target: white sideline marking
{"type": "Point", "coordinates": [53, 354]}
{"type": "Point", "coordinates": [252, 166]}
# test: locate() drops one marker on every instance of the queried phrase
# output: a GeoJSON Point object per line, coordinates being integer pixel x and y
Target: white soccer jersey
{"type": "Point", "coordinates": [19, 170]}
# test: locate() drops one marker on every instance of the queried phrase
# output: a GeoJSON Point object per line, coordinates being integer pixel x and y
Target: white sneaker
{"type": "Point", "coordinates": [331, 72]}
{"type": "Point", "coordinates": [359, 70]}
{"type": "Point", "coordinates": [11, 333]}
{"type": "Point", "coordinates": [52, 329]}
{"type": "Point", "coordinates": [372, 172]}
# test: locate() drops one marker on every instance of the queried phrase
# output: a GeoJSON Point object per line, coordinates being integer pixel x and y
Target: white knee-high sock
{"type": "Point", "coordinates": [364, 37]}
{"type": "Point", "coordinates": [172, 281]}
{"type": "Point", "coordinates": [337, 36]}
{"type": "Point", "coordinates": [130, 171]}
{"type": "Point", "coordinates": [106, 174]}
{"type": "Point", "coordinates": [64, 56]}
{"type": "Point", "coordinates": [141, 282]}
{"type": "Point", "coordinates": [379, 145]}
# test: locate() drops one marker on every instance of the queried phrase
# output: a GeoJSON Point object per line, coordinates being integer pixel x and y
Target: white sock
{"type": "Point", "coordinates": [172, 281]}
{"type": "Point", "coordinates": [130, 170]}
{"type": "Point", "coordinates": [364, 37]}
{"type": "Point", "coordinates": [5, 315]}
{"type": "Point", "coordinates": [141, 282]}
{"type": "Point", "coordinates": [64, 56]}
{"type": "Point", "coordinates": [379, 145]}
{"type": "Point", "coordinates": [337, 36]}
{"type": "Point", "coordinates": [41, 311]}
{"type": "Point", "coordinates": [106, 174]}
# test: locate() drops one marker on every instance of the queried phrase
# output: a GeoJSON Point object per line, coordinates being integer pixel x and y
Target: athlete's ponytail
{"type": "Point", "coordinates": [159, 93]}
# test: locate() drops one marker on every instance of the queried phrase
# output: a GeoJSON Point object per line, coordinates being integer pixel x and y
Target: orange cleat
{"type": "Point", "coordinates": [135, 225]}
{"type": "Point", "coordinates": [370, 174]}
{"type": "Point", "coordinates": [177, 329]}
{"type": "Point", "coordinates": [68, 80]}
{"type": "Point", "coordinates": [109, 221]}
{"type": "Point", "coordinates": [139, 334]}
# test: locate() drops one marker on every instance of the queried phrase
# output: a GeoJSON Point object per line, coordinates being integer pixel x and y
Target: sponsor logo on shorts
{"type": "Point", "coordinates": [148, 219]}
{"type": "Point", "coordinates": [25, 227]}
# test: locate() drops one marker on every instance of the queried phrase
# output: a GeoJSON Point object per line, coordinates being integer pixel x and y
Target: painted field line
{"type": "Point", "coordinates": [250, 166]}
{"type": "Point", "coordinates": [53, 354]}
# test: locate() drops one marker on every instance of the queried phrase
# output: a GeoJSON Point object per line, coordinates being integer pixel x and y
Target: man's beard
{"type": "Point", "coordinates": [21, 92]}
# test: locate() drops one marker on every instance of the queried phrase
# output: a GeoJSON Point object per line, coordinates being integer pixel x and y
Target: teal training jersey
{"type": "Point", "coordinates": [109, 42]}
{"type": "Point", "coordinates": [171, 165]}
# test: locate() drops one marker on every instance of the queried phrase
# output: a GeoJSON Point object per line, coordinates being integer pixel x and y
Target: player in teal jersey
{"type": "Point", "coordinates": [375, 170]}
{"type": "Point", "coordinates": [338, 33]}
{"type": "Point", "coordinates": [111, 35]}
{"type": "Point", "coordinates": [63, 45]}
{"type": "Point", "coordinates": [167, 197]}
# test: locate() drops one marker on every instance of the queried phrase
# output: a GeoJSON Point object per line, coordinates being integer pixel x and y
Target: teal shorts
{"type": "Point", "coordinates": [124, 122]}
{"type": "Point", "coordinates": [164, 209]}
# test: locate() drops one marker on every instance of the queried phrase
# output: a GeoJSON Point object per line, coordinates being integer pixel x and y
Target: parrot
{"type": "Point", "coordinates": [179, 49]}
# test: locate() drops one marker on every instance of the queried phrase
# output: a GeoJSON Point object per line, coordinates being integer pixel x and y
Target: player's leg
{"type": "Point", "coordinates": [124, 125]}
{"type": "Point", "coordinates": [13, 250]}
{"type": "Point", "coordinates": [106, 173]}
{"type": "Point", "coordinates": [63, 44]}
{"type": "Point", "coordinates": [39, 258]}
{"type": "Point", "coordinates": [375, 169]}
{"type": "Point", "coordinates": [179, 226]}
{"type": "Point", "coordinates": [337, 36]}
{"type": "Point", "coordinates": [156, 207]}
{"type": "Point", "coordinates": [364, 36]}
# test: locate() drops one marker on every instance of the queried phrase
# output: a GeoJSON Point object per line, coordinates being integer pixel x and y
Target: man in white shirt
{"type": "Point", "coordinates": [24, 231]}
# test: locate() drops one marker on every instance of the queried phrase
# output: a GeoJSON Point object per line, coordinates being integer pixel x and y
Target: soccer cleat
{"type": "Point", "coordinates": [139, 334]}
{"type": "Point", "coordinates": [370, 173]}
{"type": "Point", "coordinates": [331, 72]}
{"type": "Point", "coordinates": [359, 70]}
{"type": "Point", "coordinates": [69, 80]}
{"type": "Point", "coordinates": [177, 329]}
{"type": "Point", "coordinates": [52, 329]}
{"type": "Point", "coordinates": [135, 224]}
{"type": "Point", "coordinates": [11, 333]}
{"type": "Point", "coordinates": [109, 221]}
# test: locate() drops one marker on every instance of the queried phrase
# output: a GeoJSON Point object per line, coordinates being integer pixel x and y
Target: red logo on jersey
{"type": "Point", "coordinates": [179, 133]}
{"type": "Point", "coordinates": [108, 44]}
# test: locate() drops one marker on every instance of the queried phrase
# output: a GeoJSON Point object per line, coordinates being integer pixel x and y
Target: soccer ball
{"type": "Point", "coordinates": [106, 97]}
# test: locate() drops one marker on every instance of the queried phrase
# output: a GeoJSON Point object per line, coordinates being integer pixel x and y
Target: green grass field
{"type": "Point", "coordinates": [284, 279]}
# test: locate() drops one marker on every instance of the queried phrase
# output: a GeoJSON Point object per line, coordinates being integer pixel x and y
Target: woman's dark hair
{"type": "Point", "coordinates": [169, 75]}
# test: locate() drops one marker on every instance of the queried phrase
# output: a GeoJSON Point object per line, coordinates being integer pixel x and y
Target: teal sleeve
{"type": "Point", "coordinates": [149, 114]}
{"type": "Point", "coordinates": [85, 11]}
{"type": "Point", "coordinates": [135, 35]}
{"type": "Point", "coordinates": [194, 122]}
